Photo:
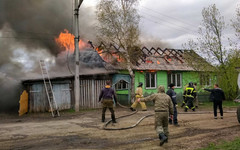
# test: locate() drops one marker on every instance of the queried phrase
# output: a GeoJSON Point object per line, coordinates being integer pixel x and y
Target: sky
{"type": "Point", "coordinates": [28, 27]}
{"type": "Point", "coordinates": [177, 21]}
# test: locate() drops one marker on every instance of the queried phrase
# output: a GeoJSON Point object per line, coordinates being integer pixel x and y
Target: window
{"type": "Point", "coordinates": [175, 78]}
{"type": "Point", "coordinates": [205, 79]}
{"type": "Point", "coordinates": [150, 80]}
{"type": "Point", "coordinates": [121, 85]}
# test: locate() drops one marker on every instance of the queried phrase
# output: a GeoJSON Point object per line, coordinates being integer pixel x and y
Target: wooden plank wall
{"type": "Point", "coordinates": [89, 93]}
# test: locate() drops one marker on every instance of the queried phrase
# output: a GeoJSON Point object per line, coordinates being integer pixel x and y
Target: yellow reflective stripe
{"type": "Point", "coordinates": [189, 88]}
{"type": "Point", "coordinates": [187, 107]}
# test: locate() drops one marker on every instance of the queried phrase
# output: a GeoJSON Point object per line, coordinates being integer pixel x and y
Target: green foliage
{"type": "Point", "coordinates": [233, 145]}
{"type": "Point", "coordinates": [224, 58]}
{"type": "Point", "coordinates": [228, 75]}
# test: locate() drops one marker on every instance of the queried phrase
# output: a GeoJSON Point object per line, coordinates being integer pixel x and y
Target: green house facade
{"type": "Point", "coordinates": [161, 67]}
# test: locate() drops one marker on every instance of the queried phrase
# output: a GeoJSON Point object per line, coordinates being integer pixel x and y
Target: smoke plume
{"type": "Point", "coordinates": [28, 29]}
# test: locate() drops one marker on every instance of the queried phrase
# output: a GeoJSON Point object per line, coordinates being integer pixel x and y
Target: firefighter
{"type": "Point", "coordinates": [106, 97]}
{"type": "Point", "coordinates": [139, 94]}
{"type": "Point", "coordinates": [184, 97]}
{"type": "Point", "coordinates": [163, 106]}
{"type": "Point", "coordinates": [173, 96]}
{"type": "Point", "coordinates": [190, 94]}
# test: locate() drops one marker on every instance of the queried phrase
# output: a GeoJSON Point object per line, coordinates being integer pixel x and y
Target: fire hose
{"type": "Point", "coordinates": [129, 127]}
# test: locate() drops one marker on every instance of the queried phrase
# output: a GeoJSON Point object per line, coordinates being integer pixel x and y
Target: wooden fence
{"type": "Point", "coordinates": [89, 93]}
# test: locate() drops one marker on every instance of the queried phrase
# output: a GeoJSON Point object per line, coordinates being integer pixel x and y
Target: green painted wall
{"type": "Point", "coordinates": [187, 76]}
{"type": "Point", "coordinates": [161, 80]}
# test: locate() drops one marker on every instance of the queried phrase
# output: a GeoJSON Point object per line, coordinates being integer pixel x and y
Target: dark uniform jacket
{"type": "Point", "coordinates": [173, 96]}
{"type": "Point", "coordinates": [190, 92]}
{"type": "Point", "coordinates": [107, 93]}
{"type": "Point", "coordinates": [217, 94]}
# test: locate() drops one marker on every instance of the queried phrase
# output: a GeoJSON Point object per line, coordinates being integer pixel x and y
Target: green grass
{"type": "Point", "coordinates": [233, 145]}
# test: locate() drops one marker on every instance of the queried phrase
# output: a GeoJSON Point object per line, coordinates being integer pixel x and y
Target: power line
{"type": "Point", "coordinates": [171, 24]}
{"type": "Point", "coordinates": [157, 12]}
{"type": "Point", "coordinates": [154, 21]}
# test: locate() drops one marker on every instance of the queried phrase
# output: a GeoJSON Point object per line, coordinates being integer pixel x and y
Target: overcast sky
{"type": "Point", "coordinates": [28, 27]}
{"type": "Point", "coordinates": [176, 21]}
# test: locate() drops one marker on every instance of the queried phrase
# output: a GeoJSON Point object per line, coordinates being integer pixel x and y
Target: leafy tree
{"type": "Point", "coordinates": [210, 45]}
{"type": "Point", "coordinates": [210, 40]}
{"type": "Point", "coordinates": [236, 22]}
{"type": "Point", "coordinates": [119, 26]}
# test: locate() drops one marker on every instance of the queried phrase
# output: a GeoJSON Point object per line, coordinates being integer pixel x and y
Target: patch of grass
{"type": "Point", "coordinates": [230, 103]}
{"type": "Point", "coordinates": [233, 145]}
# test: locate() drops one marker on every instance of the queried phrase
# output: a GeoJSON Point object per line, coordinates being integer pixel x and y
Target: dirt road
{"type": "Point", "coordinates": [84, 130]}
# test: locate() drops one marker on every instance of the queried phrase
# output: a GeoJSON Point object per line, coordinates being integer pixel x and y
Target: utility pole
{"type": "Point", "coordinates": [76, 42]}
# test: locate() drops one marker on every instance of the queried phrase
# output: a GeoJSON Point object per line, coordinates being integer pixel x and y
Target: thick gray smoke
{"type": "Point", "coordinates": [153, 42]}
{"type": "Point", "coordinates": [28, 29]}
{"type": "Point", "coordinates": [37, 22]}
{"type": "Point", "coordinates": [10, 93]}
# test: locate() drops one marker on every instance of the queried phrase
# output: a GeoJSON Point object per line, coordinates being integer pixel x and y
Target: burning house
{"type": "Point", "coordinates": [153, 68]}
{"type": "Point", "coordinates": [158, 66]}
{"type": "Point", "coordinates": [93, 75]}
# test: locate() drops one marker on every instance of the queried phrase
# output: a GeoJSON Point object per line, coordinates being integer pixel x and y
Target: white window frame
{"type": "Point", "coordinates": [176, 79]}
{"type": "Point", "coordinates": [155, 78]}
{"type": "Point", "coordinates": [205, 81]}
{"type": "Point", "coordinates": [121, 85]}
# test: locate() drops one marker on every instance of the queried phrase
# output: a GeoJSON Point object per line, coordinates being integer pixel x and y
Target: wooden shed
{"type": "Point", "coordinates": [63, 89]}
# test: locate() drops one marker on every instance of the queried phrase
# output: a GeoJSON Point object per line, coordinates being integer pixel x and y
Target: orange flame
{"type": "Point", "coordinates": [158, 62]}
{"type": "Point", "coordinates": [66, 40]}
{"type": "Point", "coordinates": [109, 57]}
{"type": "Point", "coordinates": [149, 61]}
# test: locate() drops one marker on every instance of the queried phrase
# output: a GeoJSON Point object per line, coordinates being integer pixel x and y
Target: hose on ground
{"type": "Point", "coordinates": [129, 127]}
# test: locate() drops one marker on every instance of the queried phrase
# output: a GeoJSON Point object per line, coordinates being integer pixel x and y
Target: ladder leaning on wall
{"type": "Point", "coordinates": [49, 90]}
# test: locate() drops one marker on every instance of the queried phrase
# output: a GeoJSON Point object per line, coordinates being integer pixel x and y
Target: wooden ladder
{"type": "Point", "coordinates": [49, 89]}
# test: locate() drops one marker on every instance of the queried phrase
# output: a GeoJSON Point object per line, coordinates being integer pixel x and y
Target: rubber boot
{"type": "Point", "coordinates": [162, 138]}
{"type": "Point", "coordinates": [103, 118]}
{"type": "Point", "coordinates": [113, 118]}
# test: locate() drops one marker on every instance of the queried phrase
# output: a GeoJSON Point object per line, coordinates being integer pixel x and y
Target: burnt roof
{"type": "Point", "coordinates": [91, 64]}
{"type": "Point", "coordinates": [161, 59]}
{"type": "Point", "coordinates": [166, 59]}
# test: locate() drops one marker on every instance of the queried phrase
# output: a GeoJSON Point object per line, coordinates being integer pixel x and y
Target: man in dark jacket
{"type": "Point", "coordinates": [106, 96]}
{"type": "Point", "coordinates": [173, 97]}
{"type": "Point", "coordinates": [217, 96]}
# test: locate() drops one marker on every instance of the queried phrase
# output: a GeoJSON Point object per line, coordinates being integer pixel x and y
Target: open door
{"type": "Point", "coordinates": [23, 103]}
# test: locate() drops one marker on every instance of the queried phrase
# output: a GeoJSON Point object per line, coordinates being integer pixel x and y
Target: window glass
{"type": "Point", "coordinates": [150, 80]}
{"type": "Point", "coordinates": [176, 79]}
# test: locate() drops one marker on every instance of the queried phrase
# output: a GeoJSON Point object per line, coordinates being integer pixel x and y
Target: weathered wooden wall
{"type": "Point", "coordinates": [89, 93]}
{"type": "Point", "coordinates": [64, 95]}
